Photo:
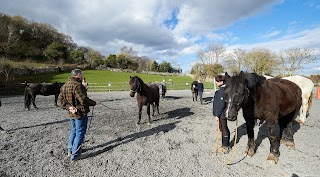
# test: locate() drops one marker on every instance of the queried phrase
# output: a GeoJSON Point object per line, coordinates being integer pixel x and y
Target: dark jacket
{"type": "Point", "coordinates": [219, 104]}
{"type": "Point", "coordinates": [200, 87]}
{"type": "Point", "coordinates": [73, 93]}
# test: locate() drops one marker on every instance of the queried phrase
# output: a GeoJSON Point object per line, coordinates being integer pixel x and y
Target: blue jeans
{"type": "Point", "coordinates": [77, 133]}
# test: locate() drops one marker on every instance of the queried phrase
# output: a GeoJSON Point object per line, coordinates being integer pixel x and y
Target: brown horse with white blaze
{"type": "Point", "coordinates": [277, 101]}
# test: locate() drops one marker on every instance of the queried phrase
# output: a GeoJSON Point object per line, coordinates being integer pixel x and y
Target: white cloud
{"type": "Point", "coordinates": [107, 25]}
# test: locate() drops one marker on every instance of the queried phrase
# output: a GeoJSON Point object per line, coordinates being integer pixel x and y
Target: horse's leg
{"type": "Point", "coordinates": [286, 132]}
{"type": "Point", "coordinates": [153, 108]}
{"type": "Point", "coordinates": [274, 139]}
{"type": "Point", "coordinates": [157, 105]}
{"type": "Point", "coordinates": [148, 112]}
{"type": "Point", "coordinates": [250, 150]}
{"type": "Point", "coordinates": [56, 100]}
{"type": "Point", "coordinates": [140, 112]}
{"type": "Point", "coordinates": [192, 96]}
{"type": "Point", "coordinates": [196, 95]}
{"type": "Point", "coordinates": [34, 101]}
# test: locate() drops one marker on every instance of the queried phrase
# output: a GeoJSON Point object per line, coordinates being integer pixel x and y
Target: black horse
{"type": "Point", "coordinates": [146, 95]}
{"type": "Point", "coordinates": [276, 101]}
{"type": "Point", "coordinates": [194, 90]}
{"type": "Point", "coordinates": [35, 89]}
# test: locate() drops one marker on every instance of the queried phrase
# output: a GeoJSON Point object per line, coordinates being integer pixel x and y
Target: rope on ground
{"type": "Point", "coordinates": [218, 133]}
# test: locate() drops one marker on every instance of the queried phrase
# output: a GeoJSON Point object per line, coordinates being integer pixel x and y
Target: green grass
{"type": "Point", "coordinates": [104, 76]}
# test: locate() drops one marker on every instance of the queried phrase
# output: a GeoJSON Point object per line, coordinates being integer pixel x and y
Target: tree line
{"type": "Point", "coordinates": [216, 59]}
{"type": "Point", "coordinates": [24, 40]}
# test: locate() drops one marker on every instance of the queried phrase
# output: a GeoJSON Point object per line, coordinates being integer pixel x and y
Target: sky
{"type": "Point", "coordinates": [175, 30]}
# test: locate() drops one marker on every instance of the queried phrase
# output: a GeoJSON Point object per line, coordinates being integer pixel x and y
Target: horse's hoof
{"type": "Point", "coordinates": [249, 152]}
{"type": "Point", "coordinates": [289, 143]}
{"type": "Point", "coordinates": [272, 159]}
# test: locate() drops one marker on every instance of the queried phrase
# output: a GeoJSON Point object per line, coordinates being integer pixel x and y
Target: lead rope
{"type": "Point", "coordinates": [86, 131]}
{"type": "Point", "coordinates": [218, 133]}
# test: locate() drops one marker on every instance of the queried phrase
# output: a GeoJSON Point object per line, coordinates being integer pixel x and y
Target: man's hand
{"type": "Point", "coordinates": [72, 109]}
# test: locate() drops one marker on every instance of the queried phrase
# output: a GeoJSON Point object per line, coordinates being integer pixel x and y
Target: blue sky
{"type": "Point", "coordinates": [175, 30]}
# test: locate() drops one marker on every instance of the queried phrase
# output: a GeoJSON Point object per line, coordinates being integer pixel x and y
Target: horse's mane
{"type": "Point", "coordinates": [254, 79]}
{"type": "Point", "coordinates": [140, 80]}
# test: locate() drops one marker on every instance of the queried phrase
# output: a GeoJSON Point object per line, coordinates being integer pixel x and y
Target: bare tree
{"type": "Point", "coordinates": [212, 55]}
{"type": "Point", "coordinates": [293, 59]}
{"type": "Point", "coordinates": [235, 60]}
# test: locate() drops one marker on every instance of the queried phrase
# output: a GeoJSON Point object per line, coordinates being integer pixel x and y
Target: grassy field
{"type": "Point", "coordinates": [117, 80]}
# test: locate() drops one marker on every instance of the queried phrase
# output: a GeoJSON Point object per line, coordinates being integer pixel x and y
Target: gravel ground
{"type": "Point", "coordinates": [179, 142]}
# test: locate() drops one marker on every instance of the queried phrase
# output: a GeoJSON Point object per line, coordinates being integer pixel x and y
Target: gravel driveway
{"type": "Point", "coordinates": [179, 142]}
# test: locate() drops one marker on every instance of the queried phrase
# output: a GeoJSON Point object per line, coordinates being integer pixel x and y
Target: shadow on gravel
{"type": "Point", "coordinates": [124, 140]}
{"type": "Point", "coordinates": [172, 97]}
{"type": "Point", "coordinates": [38, 125]}
{"type": "Point", "coordinates": [262, 134]}
{"type": "Point", "coordinates": [178, 113]}
{"type": "Point", "coordinates": [207, 100]}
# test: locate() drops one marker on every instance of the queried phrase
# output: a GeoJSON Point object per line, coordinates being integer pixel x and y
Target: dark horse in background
{"type": "Point", "coordinates": [194, 90]}
{"type": "Point", "coordinates": [146, 95]}
{"type": "Point", "coordinates": [277, 101]}
{"type": "Point", "coordinates": [35, 89]}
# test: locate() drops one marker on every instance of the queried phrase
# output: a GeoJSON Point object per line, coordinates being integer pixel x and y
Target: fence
{"type": "Point", "coordinates": [18, 89]}
{"type": "Point", "coordinates": [124, 86]}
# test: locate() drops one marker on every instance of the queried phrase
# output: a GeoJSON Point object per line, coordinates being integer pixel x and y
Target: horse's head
{"type": "Point", "coordinates": [135, 85]}
{"type": "Point", "coordinates": [236, 93]}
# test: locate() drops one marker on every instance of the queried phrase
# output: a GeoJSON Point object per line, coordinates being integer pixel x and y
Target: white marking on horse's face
{"type": "Point", "coordinates": [228, 108]}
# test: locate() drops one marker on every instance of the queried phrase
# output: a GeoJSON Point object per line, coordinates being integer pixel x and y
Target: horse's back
{"type": "Point", "coordinates": [286, 91]}
{"type": "Point", "coordinates": [305, 84]}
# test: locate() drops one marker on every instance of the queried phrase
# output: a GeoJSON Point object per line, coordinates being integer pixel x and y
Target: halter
{"type": "Point", "coordinates": [246, 94]}
{"type": "Point", "coordinates": [139, 87]}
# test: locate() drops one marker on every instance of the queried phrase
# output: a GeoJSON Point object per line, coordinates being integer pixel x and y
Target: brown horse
{"type": "Point", "coordinates": [146, 95]}
{"type": "Point", "coordinates": [35, 89]}
{"type": "Point", "coordinates": [277, 101]}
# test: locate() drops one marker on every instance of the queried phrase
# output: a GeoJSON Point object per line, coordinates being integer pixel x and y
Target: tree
{"type": "Point", "coordinates": [212, 70]}
{"type": "Point", "coordinates": [165, 67]}
{"type": "Point", "coordinates": [235, 60]}
{"type": "Point", "coordinates": [56, 51]}
{"type": "Point", "coordinates": [260, 61]}
{"type": "Point", "coordinates": [213, 55]}
{"type": "Point", "coordinates": [94, 58]}
{"type": "Point", "coordinates": [155, 66]}
{"type": "Point", "coordinates": [293, 59]}
{"type": "Point", "coordinates": [111, 61]}
{"type": "Point", "coordinates": [123, 61]}
{"type": "Point", "coordinates": [77, 56]}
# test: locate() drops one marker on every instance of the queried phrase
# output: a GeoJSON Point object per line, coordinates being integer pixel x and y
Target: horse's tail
{"type": "Point", "coordinates": [309, 103]}
{"type": "Point", "coordinates": [27, 98]}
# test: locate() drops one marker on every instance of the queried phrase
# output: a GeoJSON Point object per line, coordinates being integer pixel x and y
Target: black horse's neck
{"type": "Point", "coordinates": [142, 86]}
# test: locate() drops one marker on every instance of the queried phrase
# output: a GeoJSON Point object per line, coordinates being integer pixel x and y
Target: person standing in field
{"type": "Point", "coordinates": [200, 90]}
{"type": "Point", "coordinates": [73, 97]}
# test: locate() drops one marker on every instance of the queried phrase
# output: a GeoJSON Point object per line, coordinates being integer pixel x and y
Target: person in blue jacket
{"type": "Point", "coordinates": [219, 109]}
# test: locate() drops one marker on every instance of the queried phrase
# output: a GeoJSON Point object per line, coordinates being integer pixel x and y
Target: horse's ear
{"type": "Point", "coordinates": [242, 75]}
{"type": "Point", "coordinates": [226, 76]}
{"type": "Point", "coordinates": [130, 77]}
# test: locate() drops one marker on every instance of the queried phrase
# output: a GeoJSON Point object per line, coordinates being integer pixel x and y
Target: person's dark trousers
{"type": "Point", "coordinates": [225, 132]}
{"type": "Point", "coordinates": [200, 96]}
